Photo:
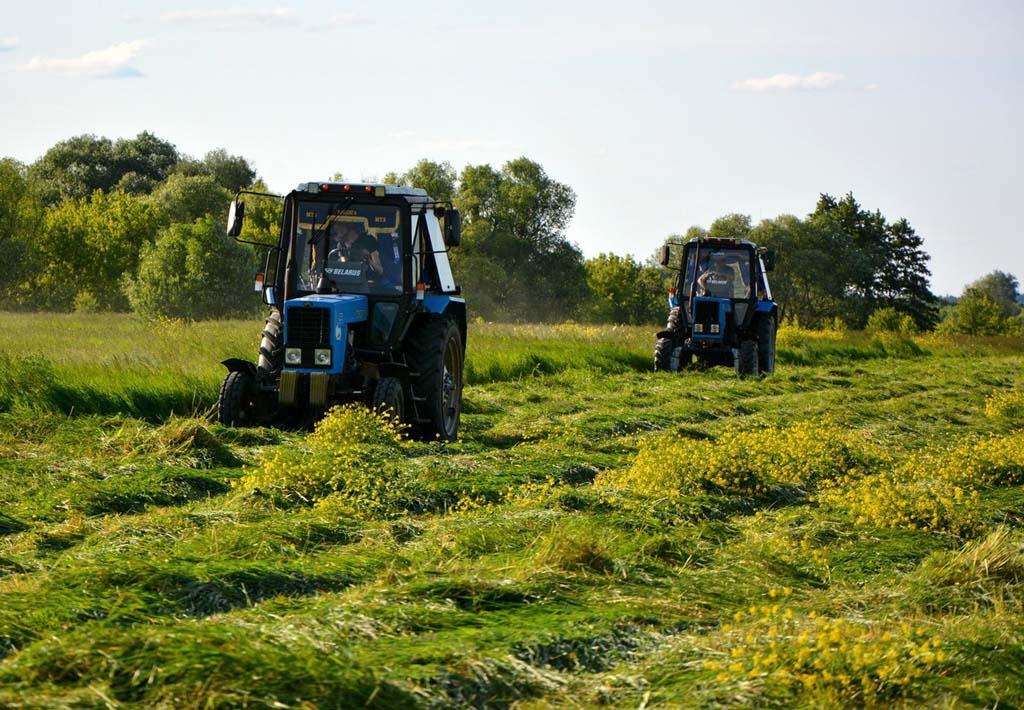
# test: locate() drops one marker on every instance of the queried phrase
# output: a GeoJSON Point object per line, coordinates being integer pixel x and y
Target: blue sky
{"type": "Point", "coordinates": [659, 114]}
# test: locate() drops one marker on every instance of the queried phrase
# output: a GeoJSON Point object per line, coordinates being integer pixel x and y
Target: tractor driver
{"type": "Point", "coordinates": [718, 279]}
{"type": "Point", "coordinates": [349, 245]}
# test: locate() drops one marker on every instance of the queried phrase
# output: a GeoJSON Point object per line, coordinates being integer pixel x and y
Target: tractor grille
{"type": "Point", "coordinates": [308, 327]}
{"type": "Point", "coordinates": [705, 312]}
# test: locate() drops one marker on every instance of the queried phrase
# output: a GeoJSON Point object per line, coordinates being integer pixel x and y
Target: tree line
{"type": "Point", "coordinates": [135, 225]}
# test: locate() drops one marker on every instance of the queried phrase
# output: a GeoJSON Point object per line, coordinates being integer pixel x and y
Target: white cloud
{"type": "Point", "coordinates": [790, 82]}
{"type": "Point", "coordinates": [231, 18]}
{"type": "Point", "coordinates": [110, 62]}
{"type": "Point", "coordinates": [9, 43]}
{"type": "Point", "coordinates": [349, 20]}
{"type": "Point", "coordinates": [871, 87]}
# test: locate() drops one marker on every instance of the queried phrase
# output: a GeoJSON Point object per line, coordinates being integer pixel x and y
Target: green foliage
{"type": "Point", "coordinates": [77, 167]}
{"type": "Point", "coordinates": [21, 213]}
{"type": "Point", "coordinates": [88, 247]}
{"type": "Point", "coordinates": [622, 291]}
{"type": "Point", "coordinates": [889, 320]}
{"type": "Point", "coordinates": [232, 172]}
{"type": "Point", "coordinates": [193, 271]}
{"type": "Point", "coordinates": [730, 226]}
{"type": "Point", "coordinates": [514, 260]}
{"type": "Point", "coordinates": [977, 314]}
{"type": "Point", "coordinates": [438, 179]}
{"type": "Point", "coordinates": [999, 287]}
{"type": "Point", "coordinates": [183, 199]}
{"type": "Point", "coordinates": [845, 262]}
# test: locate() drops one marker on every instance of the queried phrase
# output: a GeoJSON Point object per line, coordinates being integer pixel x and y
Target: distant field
{"type": "Point", "coordinates": [848, 532]}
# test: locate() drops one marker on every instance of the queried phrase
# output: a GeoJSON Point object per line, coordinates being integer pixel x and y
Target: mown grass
{"type": "Point", "coordinates": [601, 534]}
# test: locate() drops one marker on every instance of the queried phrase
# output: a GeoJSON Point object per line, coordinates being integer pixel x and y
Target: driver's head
{"type": "Point", "coordinates": [718, 258]}
{"type": "Point", "coordinates": [343, 231]}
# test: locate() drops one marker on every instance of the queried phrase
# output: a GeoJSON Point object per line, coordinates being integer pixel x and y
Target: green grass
{"type": "Point", "coordinates": [140, 568]}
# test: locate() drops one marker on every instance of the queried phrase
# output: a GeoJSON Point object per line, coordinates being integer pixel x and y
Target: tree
{"type": "Point", "coordinates": [513, 248]}
{"type": "Point", "coordinates": [879, 264]}
{"type": "Point", "coordinates": [903, 278]}
{"type": "Point", "coordinates": [438, 179]}
{"type": "Point", "coordinates": [86, 249]}
{"type": "Point", "coordinates": [1001, 288]}
{"type": "Point", "coordinates": [21, 214]}
{"type": "Point", "coordinates": [184, 199]}
{"type": "Point", "coordinates": [148, 158]}
{"type": "Point", "coordinates": [730, 226]}
{"type": "Point", "coordinates": [975, 314]}
{"type": "Point", "coordinates": [622, 291]}
{"type": "Point", "coordinates": [75, 168]}
{"type": "Point", "coordinates": [232, 172]}
{"type": "Point", "coordinates": [194, 271]}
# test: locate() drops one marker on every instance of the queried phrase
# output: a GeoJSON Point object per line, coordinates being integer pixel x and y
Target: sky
{"type": "Point", "coordinates": [660, 115]}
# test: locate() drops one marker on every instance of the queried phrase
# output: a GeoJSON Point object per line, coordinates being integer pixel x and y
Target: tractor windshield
{"type": "Point", "coordinates": [357, 247]}
{"type": "Point", "coordinates": [719, 273]}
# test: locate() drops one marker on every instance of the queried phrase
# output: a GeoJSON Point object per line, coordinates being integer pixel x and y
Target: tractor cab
{"type": "Point", "coordinates": [363, 304]}
{"type": "Point", "coordinates": [718, 306]}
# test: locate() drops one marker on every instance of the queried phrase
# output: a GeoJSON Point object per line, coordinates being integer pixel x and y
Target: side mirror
{"type": "Point", "coordinates": [269, 296]}
{"type": "Point", "coordinates": [452, 228]}
{"type": "Point", "coordinates": [236, 215]}
{"type": "Point", "coordinates": [769, 260]}
{"type": "Point", "coordinates": [666, 254]}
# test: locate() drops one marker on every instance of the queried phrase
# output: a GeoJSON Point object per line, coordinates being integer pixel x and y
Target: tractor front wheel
{"type": "Point", "coordinates": [235, 406]}
{"type": "Point", "coordinates": [389, 399]}
{"type": "Point", "coordinates": [434, 350]}
{"type": "Point", "coordinates": [746, 359]}
{"type": "Point", "coordinates": [663, 350]}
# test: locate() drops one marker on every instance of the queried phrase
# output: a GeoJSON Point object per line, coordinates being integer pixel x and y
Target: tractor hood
{"type": "Point", "coordinates": [344, 308]}
{"type": "Point", "coordinates": [317, 326]}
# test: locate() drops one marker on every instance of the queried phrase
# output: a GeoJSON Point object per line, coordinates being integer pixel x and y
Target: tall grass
{"type": "Point", "coordinates": [108, 364]}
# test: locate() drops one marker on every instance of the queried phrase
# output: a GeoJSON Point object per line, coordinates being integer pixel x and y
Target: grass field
{"type": "Point", "coordinates": [847, 532]}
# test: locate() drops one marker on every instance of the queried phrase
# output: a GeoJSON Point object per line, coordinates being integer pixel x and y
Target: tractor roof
{"type": "Point", "coordinates": [411, 194]}
{"type": "Point", "coordinates": [719, 242]}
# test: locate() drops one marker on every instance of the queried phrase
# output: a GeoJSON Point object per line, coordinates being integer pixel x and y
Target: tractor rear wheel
{"type": "Point", "coordinates": [434, 351]}
{"type": "Point", "coordinates": [389, 399]}
{"type": "Point", "coordinates": [746, 359]}
{"type": "Point", "coordinates": [766, 331]}
{"type": "Point", "coordinates": [271, 347]}
{"type": "Point", "coordinates": [235, 406]}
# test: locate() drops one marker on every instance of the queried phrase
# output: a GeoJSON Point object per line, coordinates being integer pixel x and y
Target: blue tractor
{"type": "Point", "coordinates": [721, 310]}
{"type": "Point", "coordinates": [364, 308]}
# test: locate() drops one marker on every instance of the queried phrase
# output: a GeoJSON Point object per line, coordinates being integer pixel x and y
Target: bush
{"type": "Point", "coordinates": [889, 320]}
{"type": "Point", "coordinates": [194, 271]}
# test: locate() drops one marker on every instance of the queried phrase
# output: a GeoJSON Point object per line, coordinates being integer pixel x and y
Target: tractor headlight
{"type": "Point", "coordinates": [322, 356]}
{"type": "Point", "coordinates": [293, 356]}
{"type": "Point", "coordinates": [698, 328]}
{"type": "Point", "coordinates": [715, 328]}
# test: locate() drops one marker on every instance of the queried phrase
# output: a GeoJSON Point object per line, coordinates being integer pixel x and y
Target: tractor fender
{"type": "Point", "coordinates": [235, 364]}
{"type": "Point", "coordinates": [453, 306]}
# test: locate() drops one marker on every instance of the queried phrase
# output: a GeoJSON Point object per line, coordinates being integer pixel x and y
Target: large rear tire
{"type": "Point", "coordinates": [271, 347]}
{"type": "Point", "coordinates": [766, 330]}
{"type": "Point", "coordinates": [236, 403]}
{"type": "Point", "coordinates": [746, 359]}
{"type": "Point", "coordinates": [434, 351]}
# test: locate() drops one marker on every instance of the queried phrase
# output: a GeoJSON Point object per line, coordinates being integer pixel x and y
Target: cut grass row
{"type": "Point", "coordinates": [140, 567]}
